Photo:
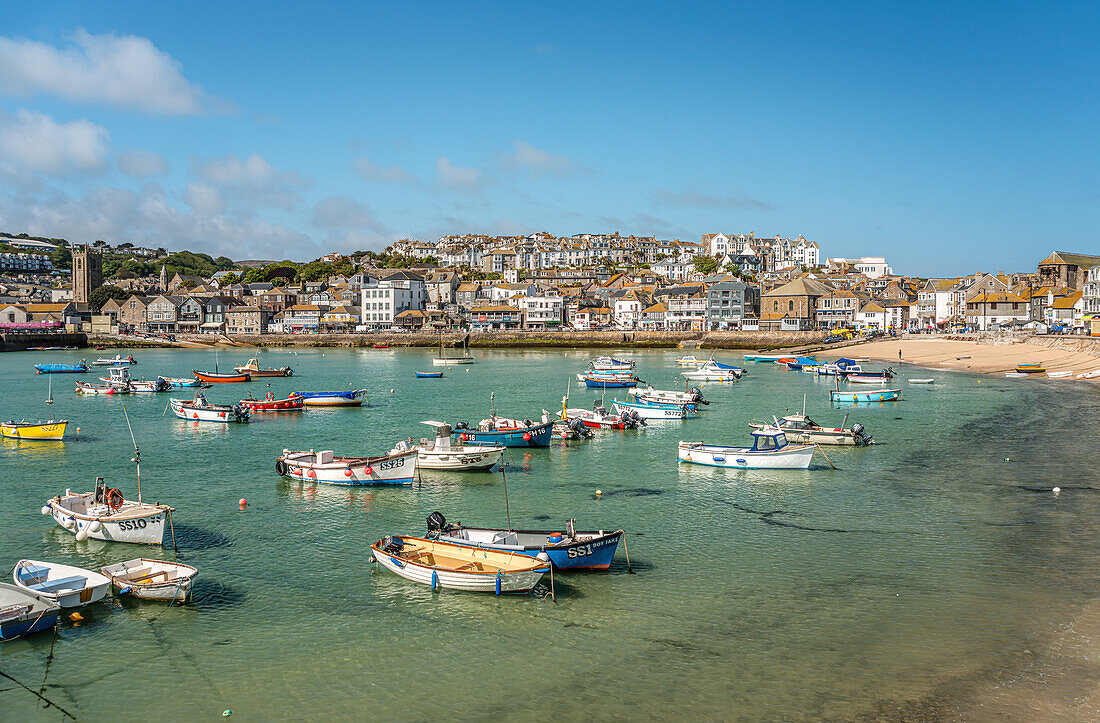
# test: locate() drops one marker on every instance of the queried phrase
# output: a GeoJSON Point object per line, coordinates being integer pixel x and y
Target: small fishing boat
{"type": "Point", "coordinates": [116, 361]}
{"type": "Point", "coordinates": [604, 382]}
{"type": "Point", "coordinates": [120, 379]}
{"type": "Point", "coordinates": [381, 346]}
{"type": "Point", "coordinates": [23, 613]}
{"type": "Point", "coordinates": [797, 361]}
{"type": "Point", "coordinates": [184, 383]}
{"type": "Point", "coordinates": [692, 397]}
{"type": "Point", "coordinates": [1059, 375]}
{"type": "Point", "coordinates": [427, 375]}
{"type": "Point", "coordinates": [568, 550]}
{"type": "Point", "coordinates": [801, 429]}
{"type": "Point", "coordinates": [441, 454]}
{"type": "Point", "coordinates": [866, 379]}
{"type": "Point", "coordinates": [610, 364]}
{"type": "Point", "coordinates": [396, 468]}
{"type": "Point", "coordinates": [270, 404]}
{"type": "Point", "coordinates": [876, 395]}
{"type": "Point", "coordinates": [219, 378]}
{"type": "Point", "coordinates": [690, 361]}
{"type": "Point", "coordinates": [770, 450]}
{"type": "Point", "coordinates": [444, 360]}
{"type": "Point", "coordinates": [1089, 375]}
{"type": "Point", "coordinates": [152, 579]}
{"type": "Point", "coordinates": [252, 368]}
{"type": "Point", "coordinates": [864, 375]}
{"type": "Point", "coordinates": [570, 429]}
{"type": "Point", "coordinates": [40, 429]}
{"type": "Point", "coordinates": [504, 432]}
{"type": "Point", "coordinates": [764, 357]}
{"type": "Point", "coordinates": [1015, 375]}
{"type": "Point", "coordinates": [599, 418]}
{"type": "Point", "coordinates": [332, 399]}
{"type": "Point", "coordinates": [104, 514]}
{"type": "Point", "coordinates": [714, 371]}
{"type": "Point", "coordinates": [79, 368]}
{"type": "Point", "coordinates": [459, 567]}
{"type": "Point", "coordinates": [200, 410]}
{"type": "Point", "coordinates": [609, 375]}
{"type": "Point", "coordinates": [922, 381]}
{"type": "Point", "coordinates": [64, 585]}
{"type": "Point", "coordinates": [89, 388]}
{"type": "Point", "coordinates": [646, 411]}
{"type": "Point", "coordinates": [1033, 368]}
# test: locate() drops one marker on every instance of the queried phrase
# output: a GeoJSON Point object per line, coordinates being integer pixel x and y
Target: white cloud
{"type": "Point", "coordinates": [252, 179]}
{"type": "Point", "coordinates": [338, 212]}
{"type": "Point", "coordinates": [370, 171]}
{"type": "Point", "coordinates": [456, 177]}
{"type": "Point", "coordinates": [33, 142]}
{"type": "Point", "coordinates": [698, 199]}
{"type": "Point", "coordinates": [125, 71]}
{"type": "Point", "coordinates": [204, 199]}
{"type": "Point", "coordinates": [142, 164]}
{"type": "Point", "coordinates": [534, 161]}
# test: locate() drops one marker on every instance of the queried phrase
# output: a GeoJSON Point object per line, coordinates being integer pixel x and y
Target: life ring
{"type": "Point", "coordinates": [270, 396]}
{"type": "Point", "coordinates": [114, 499]}
{"type": "Point", "coordinates": [280, 468]}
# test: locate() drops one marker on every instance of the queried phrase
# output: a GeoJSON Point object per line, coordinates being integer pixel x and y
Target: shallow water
{"type": "Point", "coordinates": [925, 560]}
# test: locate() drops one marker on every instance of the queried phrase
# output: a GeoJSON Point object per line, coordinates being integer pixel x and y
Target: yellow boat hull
{"type": "Point", "coordinates": [49, 431]}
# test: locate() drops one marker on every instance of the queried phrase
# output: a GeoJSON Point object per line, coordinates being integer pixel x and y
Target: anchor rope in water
{"type": "Point", "coordinates": [38, 695]}
{"type": "Point", "coordinates": [49, 660]}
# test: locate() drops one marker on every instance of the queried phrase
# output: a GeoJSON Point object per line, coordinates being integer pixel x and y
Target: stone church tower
{"type": "Point", "coordinates": [87, 274]}
{"type": "Point", "coordinates": [163, 279]}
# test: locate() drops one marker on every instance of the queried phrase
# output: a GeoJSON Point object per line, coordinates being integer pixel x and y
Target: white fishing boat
{"type": "Point", "coordinates": [1059, 375]}
{"type": "Point", "coordinates": [459, 567]}
{"type": "Point", "coordinates": [770, 450]}
{"type": "Point", "coordinates": [117, 361]}
{"type": "Point", "coordinates": [23, 613]}
{"type": "Point", "coordinates": [104, 514]}
{"type": "Point", "coordinates": [694, 396]}
{"type": "Point", "coordinates": [1016, 375]}
{"type": "Point", "coordinates": [444, 360]}
{"type": "Point", "coordinates": [866, 378]}
{"type": "Point", "coordinates": [922, 381]}
{"type": "Point", "coordinates": [598, 417]}
{"type": "Point", "coordinates": [90, 388]}
{"type": "Point", "coordinates": [647, 411]}
{"type": "Point", "coordinates": [610, 364]}
{"type": "Point", "coordinates": [121, 380]}
{"type": "Point", "coordinates": [713, 371]}
{"type": "Point", "coordinates": [396, 468]}
{"type": "Point", "coordinates": [152, 579]}
{"type": "Point", "coordinates": [63, 585]}
{"type": "Point", "coordinates": [200, 410]}
{"type": "Point", "coordinates": [801, 429]}
{"type": "Point", "coordinates": [1089, 375]}
{"type": "Point", "coordinates": [441, 454]}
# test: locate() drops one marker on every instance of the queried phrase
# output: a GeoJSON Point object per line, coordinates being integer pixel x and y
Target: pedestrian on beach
{"type": "Point", "coordinates": [899, 354]}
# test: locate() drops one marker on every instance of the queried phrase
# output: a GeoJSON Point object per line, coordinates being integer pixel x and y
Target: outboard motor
{"type": "Point", "coordinates": [697, 396]}
{"type": "Point", "coordinates": [462, 425]}
{"type": "Point", "coordinates": [392, 545]}
{"type": "Point", "coordinates": [436, 522]}
{"type": "Point", "coordinates": [637, 418]}
{"type": "Point", "coordinates": [626, 420]}
{"type": "Point", "coordinates": [571, 529]}
{"type": "Point", "coordinates": [577, 425]}
{"type": "Point", "coordinates": [861, 436]}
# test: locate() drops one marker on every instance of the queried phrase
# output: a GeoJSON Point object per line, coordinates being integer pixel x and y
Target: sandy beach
{"type": "Point", "coordinates": [974, 357]}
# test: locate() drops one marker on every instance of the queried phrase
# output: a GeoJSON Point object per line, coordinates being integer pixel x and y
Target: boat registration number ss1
{"type": "Point", "coordinates": [140, 524]}
{"type": "Point", "coordinates": [586, 550]}
{"type": "Point", "coordinates": [399, 462]}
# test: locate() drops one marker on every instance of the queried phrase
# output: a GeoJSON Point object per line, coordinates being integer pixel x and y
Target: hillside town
{"type": "Point", "coordinates": [723, 282]}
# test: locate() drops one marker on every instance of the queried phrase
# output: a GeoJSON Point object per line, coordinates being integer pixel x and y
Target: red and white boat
{"type": "Point", "coordinates": [599, 418]}
{"type": "Point", "coordinates": [217, 378]}
{"type": "Point", "coordinates": [270, 404]}
{"type": "Point", "coordinates": [395, 468]}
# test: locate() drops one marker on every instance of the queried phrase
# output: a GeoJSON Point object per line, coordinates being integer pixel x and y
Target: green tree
{"type": "Point", "coordinates": [706, 265]}
{"type": "Point", "coordinates": [103, 294]}
{"type": "Point", "coordinates": [230, 279]}
{"type": "Point", "coordinates": [62, 257]}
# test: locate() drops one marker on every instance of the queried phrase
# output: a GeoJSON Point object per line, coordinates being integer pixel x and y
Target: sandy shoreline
{"type": "Point", "coordinates": [981, 358]}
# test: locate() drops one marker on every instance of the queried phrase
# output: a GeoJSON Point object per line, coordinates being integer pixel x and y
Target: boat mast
{"type": "Point", "coordinates": [137, 452]}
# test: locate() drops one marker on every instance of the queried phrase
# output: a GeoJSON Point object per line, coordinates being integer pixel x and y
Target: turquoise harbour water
{"type": "Point", "coordinates": [925, 564]}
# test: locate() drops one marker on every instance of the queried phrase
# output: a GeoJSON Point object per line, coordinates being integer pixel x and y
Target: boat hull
{"type": "Point", "coordinates": [789, 457]}
{"type": "Point", "coordinates": [392, 469]}
{"type": "Point", "coordinates": [594, 551]}
{"type": "Point", "coordinates": [538, 435]}
{"type": "Point", "coordinates": [428, 375]}
{"type": "Point", "coordinates": [592, 383]}
{"type": "Point", "coordinates": [215, 378]}
{"type": "Point", "coordinates": [509, 581]}
{"type": "Point", "coordinates": [51, 431]}
{"type": "Point", "coordinates": [93, 586]}
{"type": "Point", "coordinates": [653, 411]}
{"type": "Point", "coordinates": [331, 399]}
{"type": "Point", "coordinates": [219, 413]}
{"type": "Point", "coordinates": [841, 438]}
{"type": "Point", "coordinates": [140, 527]}
{"type": "Point", "coordinates": [444, 362]}
{"type": "Point", "coordinates": [60, 369]}
{"type": "Point", "coordinates": [26, 613]}
{"type": "Point", "coordinates": [284, 372]}
{"type": "Point", "coordinates": [460, 459]}
{"type": "Point", "coordinates": [291, 404]}
{"type": "Point", "coordinates": [146, 579]}
{"type": "Point", "coordinates": [878, 395]}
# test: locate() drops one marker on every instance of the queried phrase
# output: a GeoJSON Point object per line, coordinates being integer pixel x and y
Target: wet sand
{"type": "Point", "coordinates": [982, 358]}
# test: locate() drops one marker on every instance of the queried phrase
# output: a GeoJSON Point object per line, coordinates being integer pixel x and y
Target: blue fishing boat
{"type": "Point", "coordinates": [568, 550]}
{"type": "Point", "coordinates": [607, 382]}
{"type": "Point", "coordinates": [23, 613]}
{"type": "Point", "coordinates": [875, 395]}
{"type": "Point", "coordinates": [332, 399]}
{"type": "Point", "coordinates": [502, 432]}
{"type": "Point", "coordinates": [78, 368]}
{"type": "Point", "coordinates": [427, 375]}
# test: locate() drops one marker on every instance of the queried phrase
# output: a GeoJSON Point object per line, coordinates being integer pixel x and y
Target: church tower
{"type": "Point", "coordinates": [87, 274]}
{"type": "Point", "coordinates": [163, 279]}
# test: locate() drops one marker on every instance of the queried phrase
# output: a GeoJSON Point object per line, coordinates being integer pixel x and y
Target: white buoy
{"type": "Point", "coordinates": [96, 526]}
{"type": "Point", "coordinates": [82, 535]}
{"type": "Point", "coordinates": [1057, 490]}
{"type": "Point", "coordinates": [46, 510]}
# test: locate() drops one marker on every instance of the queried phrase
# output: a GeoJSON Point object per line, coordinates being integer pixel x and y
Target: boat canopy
{"type": "Point", "coordinates": [768, 440]}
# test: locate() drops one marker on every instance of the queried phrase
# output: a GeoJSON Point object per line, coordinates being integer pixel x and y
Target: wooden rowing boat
{"type": "Point", "coordinates": [458, 567]}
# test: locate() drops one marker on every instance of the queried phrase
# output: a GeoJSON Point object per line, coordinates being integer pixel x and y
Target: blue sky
{"type": "Point", "coordinates": [950, 138]}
